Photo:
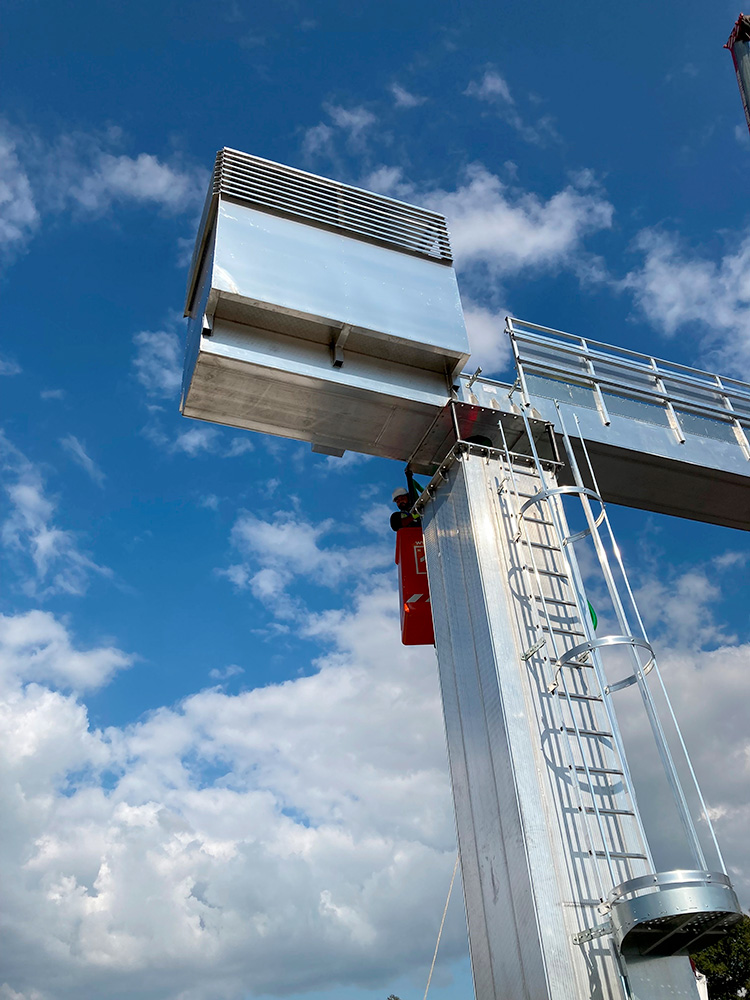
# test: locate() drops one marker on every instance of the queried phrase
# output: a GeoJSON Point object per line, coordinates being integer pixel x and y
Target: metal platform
{"type": "Point", "coordinates": [673, 913]}
{"type": "Point", "coordinates": [661, 436]}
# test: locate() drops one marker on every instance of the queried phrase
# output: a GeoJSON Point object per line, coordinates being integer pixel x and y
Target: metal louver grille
{"type": "Point", "coordinates": [324, 202]}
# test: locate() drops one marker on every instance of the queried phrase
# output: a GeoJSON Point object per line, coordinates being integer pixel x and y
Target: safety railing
{"type": "Point", "coordinates": [614, 380]}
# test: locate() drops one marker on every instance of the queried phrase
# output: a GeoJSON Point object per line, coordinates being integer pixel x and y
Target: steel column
{"type": "Point", "coordinates": [532, 880]}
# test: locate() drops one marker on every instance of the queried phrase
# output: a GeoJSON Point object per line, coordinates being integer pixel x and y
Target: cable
{"type": "Point", "coordinates": [442, 922]}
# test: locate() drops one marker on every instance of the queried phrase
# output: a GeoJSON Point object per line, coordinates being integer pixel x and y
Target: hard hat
{"type": "Point", "coordinates": [399, 492]}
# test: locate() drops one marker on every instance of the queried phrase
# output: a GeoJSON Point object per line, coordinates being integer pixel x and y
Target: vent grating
{"type": "Point", "coordinates": [323, 202]}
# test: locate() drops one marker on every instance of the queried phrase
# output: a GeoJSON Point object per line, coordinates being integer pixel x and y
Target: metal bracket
{"type": "Point", "coordinates": [337, 346]}
{"type": "Point", "coordinates": [473, 378]}
{"type": "Point", "coordinates": [593, 932]}
{"type": "Point", "coordinates": [207, 329]}
{"type": "Point", "coordinates": [533, 649]}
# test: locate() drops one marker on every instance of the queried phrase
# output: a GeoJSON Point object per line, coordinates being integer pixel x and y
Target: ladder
{"type": "Point", "coordinates": [597, 803]}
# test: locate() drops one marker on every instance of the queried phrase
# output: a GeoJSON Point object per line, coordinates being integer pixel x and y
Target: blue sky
{"type": "Point", "coordinates": [224, 777]}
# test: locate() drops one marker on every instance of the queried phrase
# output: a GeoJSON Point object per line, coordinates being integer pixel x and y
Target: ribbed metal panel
{"type": "Point", "coordinates": [328, 203]}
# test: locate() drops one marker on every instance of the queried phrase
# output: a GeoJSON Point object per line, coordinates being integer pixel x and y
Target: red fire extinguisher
{"type": "Point", "coordinates": [416, 610]}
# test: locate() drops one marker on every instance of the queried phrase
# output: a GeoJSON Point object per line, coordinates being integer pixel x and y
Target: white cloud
{"type": "Point", "coordinates": [81, 457]}
{"type": "Point", "coordinates": [143, 178]}
{"type": "Point", "coordinates": [490, 346]}
{"type": "Point", "coordinates": [224, 674]}
{"type": "Point", "coordinates": [86, 172]}
{"type": "Point", "coordinates": [375, 517]}
{"type": "Point", "coordinates": [295, 836]}
{"type": "Point", "coordinates": [35, 647]}
{"type": "Point", "coordinates": [404, 98]}
{"type": "Point", "coordinates": [52, 394]}
{"type": "Point", "coordinates": [510, 230]}
{"type": "Point", "coordinates": [709, 690]}
{"type": "Point", "coordinates": [320, 856]}
{"type": "Point", "coordinates": [351, 120]}
{"type": "Point", "coordinates": [18, 212]}
{"type": "Point", "coordinates": [505, 229]}
{"type": "Point", "coordinates": [7, 365]}
{"type": "Point", "coordinates": [493, 90]}
{"type": "Point", "coordinates": [681, 606]}
{"type": "Point", "coordinates": [239, 446]}
{"type": "Point", "coordinates": [676, 289]}
{"type": "Point", "coordinates": [319, 141]}
{"type": "Point", "coordinates": [196, 441]}
{"type": "Point", "coordinates": [275, 552]}
{"type": "Point", "coordinates": [158, 362]}
{"type": "Point", "coordinates": [340, 463]}
{"type": "Point", "coordinates": [492, 87]}
{"type": "Point", "coordinates": [46, 558]}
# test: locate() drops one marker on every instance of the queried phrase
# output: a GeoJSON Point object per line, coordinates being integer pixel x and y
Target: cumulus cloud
{"type": "Point", "coordinates": [81, 457]}
{"type": "Point", "coordinates": [678, 289]}
{"type": "Point", "coordinates": [85, 172]}
{"type": "Point", "coordinates": [275, 552]}
{"type": "Point", "coordinates": [18, 212]}
{"type": "Point", "coordinates": [295, 836]}
{"type": "Point", "coordinates": [354, 121]}
{"type": "Point", "coordinates": [492, 87]}
{"type": "Point", "coordinates": [404, 98]}
{"type": "Point", "coordinates": [493, 90]}
{"type": "Point", "coordinates": [36, 647]}
{"type": "Point", "coordinates": [509, 230]}
{"type": "Point", "coordinates": [239, 446]}
{"type": "Point", "coordinates": [7, 365]}
{"type": "Point", "coordinates": [490, 347]}
{"type": "Point", "coordinates": [351, 123]}
{"type": "Point", "coordinates": [47, 558]}
{"type": "Point", "coordinates": [505, 229]}
{"type": "Point", "coordinates": [292, 837]}
{"type": "Point", "coordinates": [158, 362]}
{"type": "Point", "coordinates": [195, 441]}
{"type": "Point", "coordinates": [143, 178]}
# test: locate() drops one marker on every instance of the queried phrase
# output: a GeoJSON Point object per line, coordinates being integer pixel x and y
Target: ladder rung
{"type": "Point", "coordinates": [555, 600]}
{"type": "Point", "coordinates": [564, 631]}
{"type": "Point", "coordinates": [588, 732]}
{"type": "Point", "coordinates": [599, 770]}
{"type": "Point", "coordinates": [610, 812]}
{"type": "Point", "coordinates": [547, 572]}
{"type": "Point", "coordinates": [621, 856]}
{"type": "Point", "coordinates": [527, 496]}
{"type": "Point", "coordinates": [538, 520]}
{"type": "Point", "coordinates": [579, 697]}
{"type": "Point", "coordinates": [540, 545]}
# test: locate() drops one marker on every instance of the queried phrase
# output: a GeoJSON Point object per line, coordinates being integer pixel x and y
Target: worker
{"type": "Point", "coordinates": [401, 518]}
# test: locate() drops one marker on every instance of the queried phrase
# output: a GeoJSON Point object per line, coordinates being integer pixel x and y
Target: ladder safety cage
{"type": "Point", "coordinates": [659, 912]}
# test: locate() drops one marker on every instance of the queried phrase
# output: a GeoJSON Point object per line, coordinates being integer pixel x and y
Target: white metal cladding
{"type": "Point", "coordinates": [323, 202]}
